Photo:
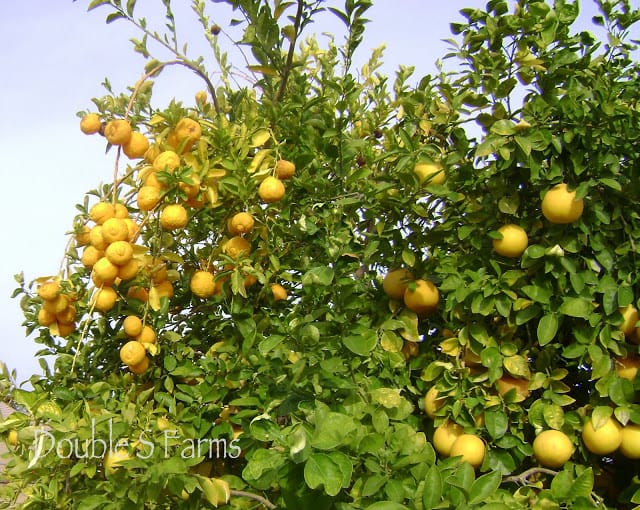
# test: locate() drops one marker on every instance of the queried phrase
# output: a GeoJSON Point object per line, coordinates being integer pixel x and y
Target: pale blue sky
{"type": "Point", "coordinates": [54, 57]}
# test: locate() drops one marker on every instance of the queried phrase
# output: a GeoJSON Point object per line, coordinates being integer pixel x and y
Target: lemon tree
{"type": "Point", "coordinates": [314, 286]}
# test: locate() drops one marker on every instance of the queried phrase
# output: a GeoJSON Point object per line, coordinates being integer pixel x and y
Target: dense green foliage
{"type": "Point", "coordinates": [327, 386]}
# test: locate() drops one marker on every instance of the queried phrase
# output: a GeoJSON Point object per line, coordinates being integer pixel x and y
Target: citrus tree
{"type": "Point", "coordinates": [316, 287]}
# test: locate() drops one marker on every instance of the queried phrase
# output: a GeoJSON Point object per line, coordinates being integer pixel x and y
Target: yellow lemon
{"type": "Point", "coordinates": [132, 353]}
{"type": "Point", "coordinates": [173, 217]}
{"type": "Point", "coordinates": [117, 132]}
{"type": "Point", "coordinates": [101, 212]}
{"type": "Point", "coordinates": [445, 435]}
{"type": "Point", "coordinates": [202, 284]}
{"type": "Point", "coordinates": [136, 146]}
{"type": "Point", "coordinates": [560, 206]}
{"type": "Point", "coordinates": [423, 299]}
{"type": "Point", "coordinates": [90, 256]}
{"type": "Point", "coordinates": [147, 335]}
{"type": "Point", "coordinates": [395, 283]}
{"type": "Point", "coordinates": [603, 440]}
{"type": "Point", "coordinates": [141, 367]}
{"type": "Point", "coordinates": [104, 299]}
{"type": "Point", "coordinates": [132, 325]}
{"type": "Point", "coordinates": [630, 443]}
{"type": "Point", "coordinates": [104, 272]}
{"type": "Point", "coordinates": [166, 161]}
{"type": "Point", "coordinates": [148, 198]}
{"type": "Point", "coordinates": [49, 290]}
{"type": "Point", "coordinates": [513, 243]}
{"type": "Point", "coordinates": [470, 447]}
{"type": "Point", "coordinates": [187, 131]}
{"type": "Point", "coordinates": [432, 173]}
{"type": "Point", "coordinates": [629, 318]}
{"type": "Point", "coordinates": [114, 229]}
{"type": "Point", "coordinates": [278, 291]}
{"type": "Point", "coordinates": [90, 124]}
{"type": "Point", "coordinates": [552, 448]}
{"type": "Point", "coordinates": [271, 190]}
{"type": "Point", "coordinates": [119, 253]}
{"type": "Point", "coordinates": [285, 169]}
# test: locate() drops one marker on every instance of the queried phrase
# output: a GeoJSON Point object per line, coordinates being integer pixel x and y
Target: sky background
{"type": "Point", "coordinates": [53, 60]}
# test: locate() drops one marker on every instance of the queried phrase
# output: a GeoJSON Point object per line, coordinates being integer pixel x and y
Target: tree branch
{"type": "Point", "coordinates": [292, 48]}
{"type": "Point", "coordinates": [523, 477]}
{"type": "Point", "coordinates": [256, 497]}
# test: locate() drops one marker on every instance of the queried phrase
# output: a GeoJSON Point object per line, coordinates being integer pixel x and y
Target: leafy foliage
{"type": "Point", "coordinates": [316, 401]}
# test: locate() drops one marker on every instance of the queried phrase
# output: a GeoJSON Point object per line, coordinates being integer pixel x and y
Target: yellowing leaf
{"type": "Point", "coordinates": [154, 299]}
{"type": "Point", "coordinates": [257, 160]}
{"type": "Point", "coordinates": [260, 137]}
{"type": "Point", "coordinates": [215, 490]}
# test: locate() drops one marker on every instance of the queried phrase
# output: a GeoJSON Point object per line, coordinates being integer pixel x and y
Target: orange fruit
{"type": "Point", "coordinates": [147, 335]}
{"type": "Point", "coordinates": [187, 131]}
{"type": "Point", "coordinates": [445, 435]}
{"type": "Point", "coordinates": [119, 253]}
{"type": "Point", "coordinates": [121, 211]}
{"type": "Point", "coordinates": [90, 256]}
{"type": "Point", "coordinates": [241, 223]}
{"type": "Point", "coordinates": [202, 284]}
{"type": "Point", "coordinates": [132, 353]}
{"type": "Point", "coordinates": [395, 283]}
{"type": "Point", "coordinates": [115, 229]}
{"type": "Point", "coordinates": [90, 124]}
{"type": "Point", "coordinates": [285, 169]}
{"type": "Point", "coordinates": [46, 318]}
{"type": "Point", "coordinates": [164, 289]}
{"type": "Point", "coordinates": [201, 97]}
{"type": "Point", "coordinates": [173, 217]}
{"type": "Point", "coordinates": [65, 330]}
{"type": "Point", "coordinates": [148, 198]}
{"type": "Point", "coordinates": [129, 270]}
{"type": "Point", "coordinates": [237, 246]}
{"type": "Point", "coordinates": [506, 383]}
{"type": "Point", "coordinates": [96, 239]}
{"type": "Point", "coordinates": [166, 161]}
{"type": "Point", "coordinates": [423, 299]}
{"type": "Point", "coordinates": [117, 131]}
{"type": "Point", "coordinates": [513, 243]}
{"type": "Point", "coordinates": [151, 179]}
{"type": "Point", "coordinates": [432, 173]}
{"type": "Point", "coordinates": [101, 212]}
{"type": "Point", "coordinates": [67, 316]}
{"type": "Point", "coordinates": [470, 447]}
{"type": "Point", "coordinates": [279, 292]}
{"type": "Point", "coordinates": [56, 305]}
{"type": "Point", "coordinates": [560, 206]}
{"type": "Point", "coordinates": [83, 236]}
{"type": "Point", "coordinates": [138, 293]}
{"type": "Point", "coordinates": [133, 229]}
{"type": "Point", "coordinates": [104, 272]}
{"type": "Point", "coordinates": [49, 290]}
{"type": "Point", "coordinates": [552, 448]}
{"type": "Point", "coordinates": [104, 299]}
{"type": "Point", "coordinates": [603, 440]}
{"type": "Point", "coordinates": [627, 368]}
{"type": "Point", "coordinates": [141, 367]}
{"type": "Point", "coordinates": [630, 444]}
{"type": "Point", "coordinates": [132, 325]}
{"type": "Point", "coordinates": [136, 146]}
{"type": "Point", "coordinates": [271, 189]}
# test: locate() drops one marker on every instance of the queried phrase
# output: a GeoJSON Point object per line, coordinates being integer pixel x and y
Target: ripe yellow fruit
{"type": "Point", "coordinates": [101, 212]}
{"type": "Point", "coordinates": [114, 229]}
{"type": "Point", "coordinates": [129, 270]}
{"type": "Point", "coordinates": [445, 435]}
{"type": "Point", "coordinates": [424, 299]}
{"type": "Point", "coordinates": [12, 437]}
{"type": "Point", "coordinates": [133, 229]}
{"type": "Point", "coordinates": [90, 124]}
{"type": "Point", "coordinates": [173, 217]}
{"type": "Point", "coordinates": [56, 305]}
{"type": "Point", "coordinates": [203, 284]}
{"type": "Point", "coordinates": [121, 211]}
{"type": "Point", "coordinates": [629, 318]}
{"type": "Point", "coordinates": [432, 403]}
{"type": "Point", "coordinates": [113, 459]}
{"type": "Point", "coordinates": [395, 283]}
{"type": "Point", "coordinates": [136, 147]}
{"type": "Point", "coordinates": [141, 367]}
{"type": "Point", "coordinates": [49, 290]}
{"type": "Point", "coordinates": [433, 173]}
{"type": "Point", "coordinates": [147, 335]}
{"type": "Point", "coordinates": [104, 272]}
{"type": "Point", "coordinates": [237, 246]}
{"type": "Point", "coordinates": [630, 443]}
{"type": "Point", "coordinates": [470, 447]}
{"type": "Point", "coordinates": [627, 368]}
{"type": "Point", "coordinates": [67, 316]}
{"type": "Point", "coordinates": [187, 131]}
{"type": "Point", "coordinates": [164, 289]}
{"type": "Point", "coordinates": [104, 299]}
{"type": "Point", "coordinates": [132, 325]}
{"type": "Point", "coordinates": [506, 383]}
{"type": "Point", "coordinates": [45, 317]}
{"type": "Point", "coordinates": [83, 236]}
{"type": "Point", "coordinates": [513, 243]}
{"type": "Point", "coordinates": [241, 223]}
{"type": "Point", "coordinates": [201, 97]}
{"type": "Point", "coordinates": [151, 179]}
{"type": "Point", "coordinates": [138, 293]}
{"type": "Point", "coordinates": [90, 256]}
{"type": "Point", "coordinates": [148, 198]}
{"type": "Point", "coordinates": [552, 448]}
{"type": "Point", "coordinates": [132, 353]}
{"type": "Point", "coordinates": [96, 239]}
{"type": "Point", "coordinates": [271, 190]}
{"type": "Point", "coordinates": [285, 169]}
{"type": "Point", "coordinates": [117, 131]}
{"type": "Point", "coordinates": [603, 440]}
{"type": "Point", "coordinates": [65, 329]}
{"type": "Point", "coordinates": [166, 161]}
{"type": "Point", "coordinates": [119, 253]}
{"type": "Point", "coordinates": [278, 291]}
{"type": "Point", "coordinates": [560, 206]}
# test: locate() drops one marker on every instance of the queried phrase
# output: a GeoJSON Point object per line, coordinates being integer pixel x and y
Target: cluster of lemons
{"type": "Point", "coordinates": [109, 235]}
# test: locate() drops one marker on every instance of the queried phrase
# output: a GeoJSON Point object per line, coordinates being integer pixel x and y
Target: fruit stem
{"type": "Point", "coordinates": [292, 47]}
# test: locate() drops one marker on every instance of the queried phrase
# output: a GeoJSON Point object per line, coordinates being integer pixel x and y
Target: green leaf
{"type": "Point", "coordinates": [504, 127]}
{"type": "Point", "coordinates": [321, 470]}
{"type": "Point", "coordinates": [547, 329]}
{"type": "Point", "coordinates": [361, 344]}
{"type": "Point", "coordinates": [320, 275]}
{"type": "Point", "coordinates": [215, 490]}
{"type": "Point", "coordinates": [386, 505]}
{"type": "Point", "coordinates": [331, 430]}
{"type": "Point", "coordinates": [484, 487]}
{"type": "Point", "coordinates": [583, 485]}
{"type": "Point", "coordinates": [432, 493]}
{"type": "Point", "coordinates": [576, 307]}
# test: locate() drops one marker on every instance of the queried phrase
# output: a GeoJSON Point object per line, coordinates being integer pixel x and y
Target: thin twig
{"type": "Point", "coordinates": [256, 497]}
{"type": "Point", "coordinates": [292, 48]}
{"type": "Point", "coordinates": [524, 476]}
